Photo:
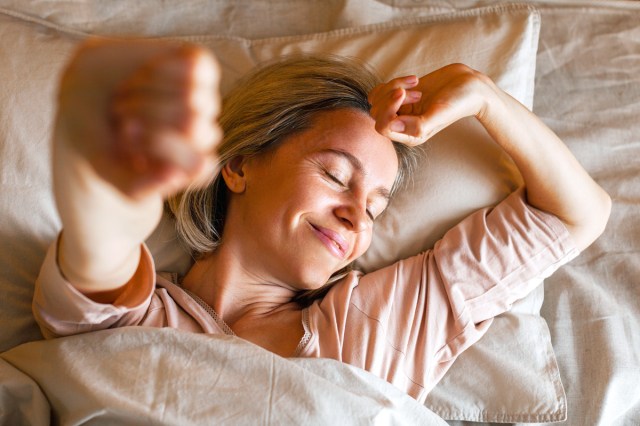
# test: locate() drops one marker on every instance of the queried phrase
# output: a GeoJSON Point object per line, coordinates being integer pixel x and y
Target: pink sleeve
{"type": "Point", "coordinates": [61, 310]}
{"type": "Point", "coordinates": [498, 256]}
{"type": "Point", "coordinates": [408, 322]}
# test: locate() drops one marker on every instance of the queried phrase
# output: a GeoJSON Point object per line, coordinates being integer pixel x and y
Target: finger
{"type": "Point", "coordinates": [412, 97]}
{"type": "Point", "coordinates": [415, 129]}
{"type": "Point", "coordinates": [385, 89]}
{"type": "Point", "coordinates": [384, 111]}
{"type": "Point", "coordinates": [405, 82]}
{"type": "Point", "coordinates": [169, 167]}
{"type": "Point", "coordinates": [168, 180]}
{"type": "Point", "coordinates": [177, 64]}
{"type": "Point", "coordinates": [150, 110]}
{"type": "Point", "coordinates": [177, 88]}
{"type": "Point", "coordinates": [178, 168]}
{"type": "Point", "coordinates": [142, 144]}
{"type": "Point", "coordinates": [187, 75]}
{"type": "Point", "coordinates": [205, 77]}
{"type": "Point", "coordinates": [388, 98]}
{"type": "Point", "coordinates": [170, 148]}
{"type": "Point", "coordinates": [199, 129]}
{"type": "Point", "coordinates": [197, 71]}
{"type": "Point", "coordinates": [374, 93]}
{"type": "Point", "coordinates": [419, 128]}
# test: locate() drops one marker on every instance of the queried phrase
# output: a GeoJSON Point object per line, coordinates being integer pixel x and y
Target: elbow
{"type": "Point", "coordinates": [605, 213]}
{"type": "Point", "coordinates": [594, 221]}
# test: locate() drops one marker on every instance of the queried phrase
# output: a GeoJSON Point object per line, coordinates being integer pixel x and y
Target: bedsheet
{"type": "Point", "coordinates": [164, 376]}
{"type": "Point", "coordinates": [588, 92]}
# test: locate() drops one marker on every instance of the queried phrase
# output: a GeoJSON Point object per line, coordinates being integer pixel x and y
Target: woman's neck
{"type": "Point", "coordinates": [237, 294]}
{"type": "Point", "coordinates": [256, 310]}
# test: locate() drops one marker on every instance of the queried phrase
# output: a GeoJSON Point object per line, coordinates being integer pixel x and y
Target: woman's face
{"type": "Point", "coordinates": [308, 208]}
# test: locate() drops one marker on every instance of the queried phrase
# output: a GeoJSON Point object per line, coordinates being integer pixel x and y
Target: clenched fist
{"type": "Point", "coordinates": [142, 113]}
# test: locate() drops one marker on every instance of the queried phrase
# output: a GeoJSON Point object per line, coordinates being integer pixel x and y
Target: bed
{"type": "Point", "coordinates": [567, 354]}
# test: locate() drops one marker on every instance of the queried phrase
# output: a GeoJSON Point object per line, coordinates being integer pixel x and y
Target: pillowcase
{"type": "Point", "coordinates": [510, 375]}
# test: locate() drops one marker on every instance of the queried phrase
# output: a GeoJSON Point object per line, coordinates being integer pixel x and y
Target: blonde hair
{"type": "Point", "coordinates": [271, 104]}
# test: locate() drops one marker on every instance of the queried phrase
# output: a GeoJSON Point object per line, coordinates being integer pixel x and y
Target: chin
{"type": "Point", "coordinates": [315, 273]}
{"type": "Point", "coordinates": [318, 282]}
{"type": "Point", "coordinates": [310, 284]}
{"type": "Point", "coordinates": [314, 289]}
{"type": "Point", "coordinates": [309, 280]}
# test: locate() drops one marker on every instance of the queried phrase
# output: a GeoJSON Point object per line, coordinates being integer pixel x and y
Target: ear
{"type": "Point", "coordinates": [233, 174]}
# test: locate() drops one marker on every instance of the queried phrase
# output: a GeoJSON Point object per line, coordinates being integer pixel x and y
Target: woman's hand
{"type": "Point", "coordinates": [410, 110]}
{"type": "Point", "coordinates": [143, 114]}
{"type": "Point", "coordinates": [136, 121]}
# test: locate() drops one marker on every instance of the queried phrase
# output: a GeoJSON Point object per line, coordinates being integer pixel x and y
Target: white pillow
{"type": "Point", "coordinates": [462, 171]}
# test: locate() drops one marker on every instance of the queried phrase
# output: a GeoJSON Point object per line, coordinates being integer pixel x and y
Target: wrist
{"type": "Point", "coordinates": [492, 101]}
{"type": "Point", "coordinates": [96, 269]}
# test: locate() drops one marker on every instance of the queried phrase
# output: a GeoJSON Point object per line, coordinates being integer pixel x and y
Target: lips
{"type": "Point", "coordinates": [334, 242]}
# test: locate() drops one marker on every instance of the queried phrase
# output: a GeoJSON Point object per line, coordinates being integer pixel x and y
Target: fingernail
{"type": "Point", "coordinates": [411, 79]}
{"type": "Point", "coordinates": [397, 126]}
{"type": "Point", "coordinates": [414, 94]}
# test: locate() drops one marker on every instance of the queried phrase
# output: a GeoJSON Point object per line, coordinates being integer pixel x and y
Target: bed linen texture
{"type": "Point", "coordinates": [135, 375]}
{"type": "Point", "coordinates": [587, 90]}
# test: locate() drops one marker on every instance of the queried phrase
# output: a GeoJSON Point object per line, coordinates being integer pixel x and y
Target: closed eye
{"type": "Point", "coordinates": [370, 215]}
{"type": "Point", "coordinates": [339, 182]}
{"type": "Point", "coordinates": [335, 179]}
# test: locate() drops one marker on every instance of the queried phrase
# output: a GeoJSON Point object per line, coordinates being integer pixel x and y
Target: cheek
{"type": "Point", "coordinates": [362, 245]}
{"type": "Point", "coordinates": [286, 205]}
{"type": "Point", "coordinates": [311, 193]}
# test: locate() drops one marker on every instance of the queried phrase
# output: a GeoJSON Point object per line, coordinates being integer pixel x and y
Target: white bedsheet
{"type": "Point", "coordinates": [588, 92]}
{"type": "Point", "coordinates": [164, 376]}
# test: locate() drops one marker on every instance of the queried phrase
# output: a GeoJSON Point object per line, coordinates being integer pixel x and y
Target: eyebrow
{"type": "Point", "coordinates": [357, 164]}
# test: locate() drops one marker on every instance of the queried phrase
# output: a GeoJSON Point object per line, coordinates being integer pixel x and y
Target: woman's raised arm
{"type": "Point", "coordinates": [136, 121]}
{"type": "Point", "coordinates": [411, 110]}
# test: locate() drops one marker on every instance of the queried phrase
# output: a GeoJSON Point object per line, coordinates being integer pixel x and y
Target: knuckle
{"type": "Point", "coordinates": [459, 68]}
{"type": "Point", "coordinates": [397, 82]}
{"type": "Point", "coordinates": [466, 74]}
{"type": "Point", "coordinates": [421, 130]}
{"type": "Point", "coordinates": [201, 66]}
{"type": "Point", "coordinates": [374, 92]}
{"type": "Point", "coordinates": [380, 127]}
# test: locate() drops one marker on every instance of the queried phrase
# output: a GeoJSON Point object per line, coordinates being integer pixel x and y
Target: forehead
{"type": "Point", "coordinates": [351, 132]}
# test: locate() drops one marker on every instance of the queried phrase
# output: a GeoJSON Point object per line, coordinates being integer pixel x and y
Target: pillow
{"type": "Point", "coordinates": [510, 375]}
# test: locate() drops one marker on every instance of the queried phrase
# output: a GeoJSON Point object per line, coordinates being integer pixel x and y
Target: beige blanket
{"type": "Point", "coordinates": [164, 376]}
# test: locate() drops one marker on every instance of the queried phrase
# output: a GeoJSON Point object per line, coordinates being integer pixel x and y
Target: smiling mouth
{"type": "Point", "coordinates": [332, 240]}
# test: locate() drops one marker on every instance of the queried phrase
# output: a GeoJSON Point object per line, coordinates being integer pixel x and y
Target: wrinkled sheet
{"type": "Point", "coordinates": [163, 376]}
{"type": "Point", "coordinates": [588, 92]}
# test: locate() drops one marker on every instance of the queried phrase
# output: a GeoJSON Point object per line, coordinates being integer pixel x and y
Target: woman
{"type": "Point", "coordinates": [307, 164]}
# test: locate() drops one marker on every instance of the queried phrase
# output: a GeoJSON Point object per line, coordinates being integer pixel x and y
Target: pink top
{"type": "Point", "coordinates": [406, 323]}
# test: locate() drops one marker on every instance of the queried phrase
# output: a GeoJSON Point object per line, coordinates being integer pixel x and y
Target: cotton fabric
{"type": "Point", "coordinates": [406, 323]}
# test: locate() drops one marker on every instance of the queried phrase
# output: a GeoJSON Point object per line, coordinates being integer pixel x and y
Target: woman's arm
{"type": "Point", "coordinates": [135, 122]}
{"type": "Point", "coordinates": [411, 110]}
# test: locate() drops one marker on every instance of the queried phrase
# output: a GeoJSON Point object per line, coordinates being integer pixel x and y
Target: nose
{"type": "Point", "coordinates": [353, 217]}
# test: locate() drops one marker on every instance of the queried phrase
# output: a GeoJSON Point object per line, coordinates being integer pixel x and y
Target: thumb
{"type": "Point", "coordinates": [417, 129]}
